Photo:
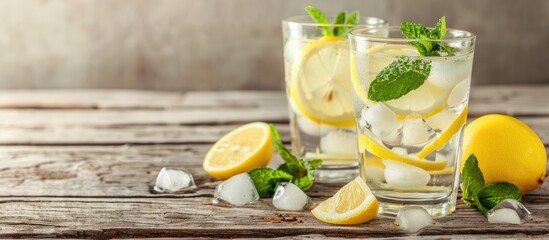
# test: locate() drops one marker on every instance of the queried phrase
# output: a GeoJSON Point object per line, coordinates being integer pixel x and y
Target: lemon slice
{"type": "Point", "coordinates": [364, 142]}
{"type": "Point", "coordinates": [321, 85]}
{"type": "Point", "coordinates": [445, 136]}
{"type": "Point", "coordinates": [354, 203]}
{"type": "Point", "coordinates": [245, 148]}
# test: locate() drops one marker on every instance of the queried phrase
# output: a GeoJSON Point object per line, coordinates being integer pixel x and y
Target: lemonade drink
{"type": "Point", "coordinates": [410, 142]}
{"type": "Point", "coordinates": [319, 94]}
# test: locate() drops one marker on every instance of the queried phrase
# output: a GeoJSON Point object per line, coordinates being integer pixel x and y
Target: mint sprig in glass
{"type": "Point", "coordinates": [411, 89]}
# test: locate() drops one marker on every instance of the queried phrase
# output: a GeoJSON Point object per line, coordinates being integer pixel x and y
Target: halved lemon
{"type": "Point", "coordinates": [445, 136]}
{"type": "Point", "coordinates": [375, 148]}
{"type": "Point", "coordinates": [321, 86]}
{"type": "Point", "coordinates": [354, 203]}
{"type": "Point", "coordinates": [245, 148]}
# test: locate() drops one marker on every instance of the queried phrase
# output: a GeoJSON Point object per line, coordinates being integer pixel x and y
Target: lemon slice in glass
{"type": "Point", "coordinates": [321, 86]}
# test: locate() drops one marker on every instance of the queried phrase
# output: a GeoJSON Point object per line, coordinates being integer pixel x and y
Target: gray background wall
{"type": "Point", "coordinates": [232, 44]}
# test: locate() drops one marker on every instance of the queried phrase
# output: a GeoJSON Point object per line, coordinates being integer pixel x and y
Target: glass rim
{"type": "Point", "coordinates": [305, 20]}
{"type": "Point", "coordinates": [360, 34]}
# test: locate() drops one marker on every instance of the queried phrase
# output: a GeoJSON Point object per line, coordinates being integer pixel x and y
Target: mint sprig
{"type": "Point", "coordinates": [297, 171]}
{"type": "Point", "coordinates": [477, 194]}
{"type": "Point", "coordinates": [405, 74]}
{"type": "Point", "coordinates": [343, 18]}
{"type": "Point", "coordinates": [428, 47]}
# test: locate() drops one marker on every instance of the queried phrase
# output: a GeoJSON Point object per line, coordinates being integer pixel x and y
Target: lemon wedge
{"type": "Point", "coordinates": [245, 148]}
{"type": "Point", "coordinates": [445, 136]}
{"type": "Point", "coordinates": [375, 148]}
{"type": "Point", "coordinates": [354, 203]}
{"type": "Point", "coordinates": [321, 86]}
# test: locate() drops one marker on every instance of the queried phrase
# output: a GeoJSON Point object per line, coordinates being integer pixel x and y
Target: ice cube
{"type": "Point", "coordinates": [402, 175]}
{"type": "Point", "coordinates": [423, 100]}
{"type": "Point", "coordinates": [442, 120]}
{"type": "Point", "coordinates": [416, 132]}
{"type": "Point", "coordinates": [311, 128]}
{"type": "Point", "coordinates": [460, 93]}
{"type": "Point", "coordinates": [289, 197]}
{"type": "Point", "coordinates": [293, 49]}
{"type": "Point", "coordinates": [392, 139]}
{"type": "Point", "coordinates": [173, 180]}
{"type": "Point", "coordinates": [237, 190]}
{"type": "Point", "coordinates": [374, 173]}
{"type": "Point", "coordinates": [413, 218]}
{"type": "Point", "coordinates": [381, 118]}
{"type": "Point", "coordinates": [508, 211]}
{"type": "Point", "coordinates": [340, 141]}
{"type": "Point", "coordinates": [446, 74]}
{"type": "Point", "coordinates": [400, 151]}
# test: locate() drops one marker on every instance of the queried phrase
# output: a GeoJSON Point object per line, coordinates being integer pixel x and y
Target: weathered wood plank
{"type": "Point", "coordinates": [159, 134]}
{"type": "Point", "coordinates": [524, 100]}
{"type": "Point", "coordinates": [170, 134]}
{"type": "Point", "coordinates": [109, 171]}
{"type": "Point", "coordinates": [198, 217]}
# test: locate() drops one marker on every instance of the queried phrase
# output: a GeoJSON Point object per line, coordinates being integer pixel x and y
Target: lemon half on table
{"type": "Point", "coordinates": [321, 86]}
{"type": "Point", "coordinates": [245, 148]}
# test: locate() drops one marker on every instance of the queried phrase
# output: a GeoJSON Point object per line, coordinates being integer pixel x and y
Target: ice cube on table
{"type": "Point", "coordinates": [413, 218]}
{"type": "Point", "coordinates": [508, 211]}
{"type": "Point", "coordinates": [340, 141]}
{"type": "Point", "coordinates": [237, 190]}
{"type": "Point", "coordinates": [446, 74]}
{"type": "Point", "coordinates": [460, 93]}
{"type": "Point", "coordinates": [290, 197]}
{"type": "Point", "coordinates": [173, 180]}
{"type": "Point", "coordinates": [402, 175]}
{"type": "Point", "coordinates": [416, 132]}
{"type": "Point", "coordinates": [381, 118]}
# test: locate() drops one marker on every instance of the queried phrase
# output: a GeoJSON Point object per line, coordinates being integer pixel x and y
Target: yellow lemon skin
{"type": "Point", "coordinates": [507, 151]}
{"type": "Point", "coordinates": [245, 148]}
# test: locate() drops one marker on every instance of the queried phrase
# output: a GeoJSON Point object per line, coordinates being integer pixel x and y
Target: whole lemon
{"type": "Point", "coordinates": [507, 151]}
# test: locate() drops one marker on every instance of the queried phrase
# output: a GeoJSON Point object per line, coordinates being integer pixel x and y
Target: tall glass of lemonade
{"type": "Point", "coordinates": [410, 103]}
{"type": "Point", "coordinates": [319, 93]}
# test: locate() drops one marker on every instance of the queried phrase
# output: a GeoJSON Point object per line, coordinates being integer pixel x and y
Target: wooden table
{"type": "Point", "coordinates": [81, 164]}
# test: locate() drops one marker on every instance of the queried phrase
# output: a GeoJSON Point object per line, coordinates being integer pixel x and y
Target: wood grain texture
{"type": "Point", "coordinates": [87, 161]}
{"type": "Point", "coordinates": [198, 217]}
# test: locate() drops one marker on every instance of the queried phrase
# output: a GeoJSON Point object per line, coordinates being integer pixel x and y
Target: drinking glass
{"type": "Point", "coordinates": [319, 94]}
{"type": "Point", "coordinates": [410, 146]}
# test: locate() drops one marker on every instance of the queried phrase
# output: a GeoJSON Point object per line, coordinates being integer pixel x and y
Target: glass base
{"type": "Point", "coordinates": [336, 174]}
{"type": "Point", "coordinates": [389, 208]}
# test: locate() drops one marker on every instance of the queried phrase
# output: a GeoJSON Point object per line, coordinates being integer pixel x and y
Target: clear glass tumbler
{"type": "Point", "coordinates": [410, 146]}
{"type": "Point", "coordinates": [319, 93]}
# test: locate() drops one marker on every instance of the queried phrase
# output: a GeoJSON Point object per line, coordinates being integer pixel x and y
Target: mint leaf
{"type": "Point", "coordinates": [320, 18]}
{"type": "Point", "coordinates": [340, 19]}
{"type": "Point", "coordinates": [427, 48]}
{"type": "Point", "coordinates": [477, 194]}
{"type": "Point", "coordinates": [399, 78]}
{"type": "Point", "coordinates": [284, 153]}
{"type": "Point", "coordinates": [305, 182]}
{"type": "Point", "coordinates": [413, 30]}
{"type": "Point", "coordinates": [353, 18]}
{"type": "Point", "coordinates": [266, 180]}
{"type": "Point", "coordinates": [439, 31]}
{"type": "Point", "coordinates": [298, 171]}
{"type": "Point", "coordinates": [473, 180]}
{"type": "Point", "coordinates": [493, 193]}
